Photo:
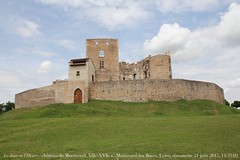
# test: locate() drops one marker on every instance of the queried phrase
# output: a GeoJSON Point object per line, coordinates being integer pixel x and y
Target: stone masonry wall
{"type": "Point", "coordinates": [35, 97]}
{"type": "Point", "coordinates": [109, 59]}
{"type": "Point", "coordinates": [158, 90]}
{"type": "Point", "coordinates": [59, 92]}
{"type": "Point", "coordinates": [152, 67]}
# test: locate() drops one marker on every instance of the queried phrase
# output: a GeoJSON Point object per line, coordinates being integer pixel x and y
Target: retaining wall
{"type": "Point", "coordinates": [158, 90]}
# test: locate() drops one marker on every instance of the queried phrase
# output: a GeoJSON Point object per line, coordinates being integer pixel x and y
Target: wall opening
{"type": "Point", "coordinates": [101, 65]}
{"type": "Point", "coordinates": [92, 78]}
{"type": "Point", "coordinates": [101, 54]}
{"type": "Point", "coordinates": [134, 76]}
{"type": "Point", "coordinates": [78, 96]}
{"type": "Point", "coordinates": [145, 74]}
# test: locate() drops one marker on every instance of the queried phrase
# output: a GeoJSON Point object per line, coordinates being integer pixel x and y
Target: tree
{"type": "Point", "coordinates": [1, 107]}
{"type": "Point", "coordinates": [236, 104]}
{"type": "Point", "coordinates": [7, 107]}
{"type": "Point", "coordinates": [10, 105]}
{"type": "Point", "coordinates": [226, 102]}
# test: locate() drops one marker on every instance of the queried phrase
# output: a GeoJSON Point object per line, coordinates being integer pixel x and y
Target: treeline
{"type": "Point", "coordinates": [235, 104]}
{"type": "Point", "coordinates": [4, 107]}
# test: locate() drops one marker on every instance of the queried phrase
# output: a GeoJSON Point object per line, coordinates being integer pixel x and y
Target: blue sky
{"type": "Point", "coordinates": [39, 37]}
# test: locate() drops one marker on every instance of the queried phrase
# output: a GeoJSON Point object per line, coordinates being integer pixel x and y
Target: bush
{"type": "Point", "coordinates": [226, 102]}
{"type": "Point", "coordinates": [7, 107]}
{"type": "Point", "coordinates": [236, 104]}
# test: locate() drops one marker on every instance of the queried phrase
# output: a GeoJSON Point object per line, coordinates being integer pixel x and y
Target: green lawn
{"type": "Point", "coordinates": [122, 130]}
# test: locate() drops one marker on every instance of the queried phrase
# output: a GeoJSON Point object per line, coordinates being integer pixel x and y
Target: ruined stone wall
{"type": "Point", "coordinates": [152, 67]}
{"type": "Point", "coordinates": [158, 90]}
{"type": "Point", "coordinates": [109, 58]}
{"type": "Point", "coordinates": [160, 67]}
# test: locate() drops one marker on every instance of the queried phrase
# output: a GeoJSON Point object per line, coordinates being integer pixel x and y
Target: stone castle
{"type": "Point", "coordinates": [101, 76]}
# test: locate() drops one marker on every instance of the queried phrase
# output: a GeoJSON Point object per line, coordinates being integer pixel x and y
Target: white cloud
{"type": "Point", "coordinates": [170, 36]}
{"type": "Point", "coordinates": [234, 83]}
{"type": "Point", "coordinates": [115, 17]}
{"type": "Point", "coordinates": [44, 53]}
{"type": "Point", "coordinates": [26, 28]}
{"type": "Point", "coordinates": [187, 45]}
{"type": "Point", "coordinates": [45, 67]}
{"type": "Point", "coordinates": [66, 43]}
{"type": "Point", "coordinates": [121, 13]}
{"type": "Point", "coordinates": [8, 79]}
{"type": "Point", "coordinates": [182, 42]}
{"type": "Point", "coordinates": [228, 29]}
{"type": "Point", "coordinates": [186, 5]}
{"type": "Point", "coordinates": [111, 14]}
{"type": "Point", "coordinates": [36, 51]}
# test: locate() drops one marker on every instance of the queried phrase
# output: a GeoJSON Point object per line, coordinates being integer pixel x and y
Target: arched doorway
{"type": "Point", "coordinates": [78, 96]}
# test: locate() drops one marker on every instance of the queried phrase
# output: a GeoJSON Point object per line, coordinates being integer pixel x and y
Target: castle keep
{"type": "Point", "coordinates": [101, 76]}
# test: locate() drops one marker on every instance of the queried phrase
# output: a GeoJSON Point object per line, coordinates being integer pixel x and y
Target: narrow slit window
{"type": "Point", "coordinates": [101, 54]}
{"type": "Point", "coordinates": [134, 76]}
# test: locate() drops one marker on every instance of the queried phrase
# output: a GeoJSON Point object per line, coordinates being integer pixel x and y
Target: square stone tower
{"type": "Point", "coordinates": [104, 54]}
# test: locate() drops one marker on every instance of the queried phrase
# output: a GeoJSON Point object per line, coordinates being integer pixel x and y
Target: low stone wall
{"type": "Point", "coordinates": [35, 97]}
{"type": "Point", "coordinates": [59, 92]}
{"type": "Point", "coordinates": [158, 90]}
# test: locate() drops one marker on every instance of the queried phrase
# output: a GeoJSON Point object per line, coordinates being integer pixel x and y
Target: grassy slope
{"type": "Point", "coordinates": [179, 127]}
{"type": "Point", "coordinates": [112, 108]}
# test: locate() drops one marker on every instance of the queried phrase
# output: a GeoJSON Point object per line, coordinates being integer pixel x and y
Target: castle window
{"type": "Point", "coordinates": [101, 64]}
{"type": "Point", "coordinates": [78, 73]}
{"type": "Point", "coordinates": [106, 43]}
{"type": "Point", "coordinates": [134, 76]}
{"type": "Point", "coordinates": [145, 74]}
{"type": "Point", "coordinates": [92, 78]}
{"type": "Point", "coordinates": [96, 42]}
{"type": "Point", "coordinates": [101, 54]}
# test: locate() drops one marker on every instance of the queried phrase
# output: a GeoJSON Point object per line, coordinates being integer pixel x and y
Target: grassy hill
{"type": "Point", "coordinates": [120, 130]}
{"type": "Point", "coordinates": [113, 108]}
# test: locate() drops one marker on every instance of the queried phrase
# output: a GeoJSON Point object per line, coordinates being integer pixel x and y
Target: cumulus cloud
{"type": "Point", "coordinates": [187, 44]}
{"type": "Point", "coordinates": [228, 28]}
{"type": "Point", "coordinates": [45, 67]}
{"type": "Point", "coordinates": [179, 40]}
{"type": "Point", "coordinates": [170, 36]}
{"type": "Point", "coordinates": [27, 29]}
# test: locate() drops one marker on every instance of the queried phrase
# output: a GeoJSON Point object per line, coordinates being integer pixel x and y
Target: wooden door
{"type": "Point", "coordinates": [78, 96]}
